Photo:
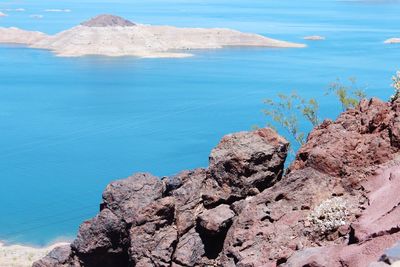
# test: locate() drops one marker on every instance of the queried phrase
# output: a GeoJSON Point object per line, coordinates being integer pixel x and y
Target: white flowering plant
{"type": "Point", "coordinates": [329, 215]}
{"type": "Point", "coordinates": [396, 85]}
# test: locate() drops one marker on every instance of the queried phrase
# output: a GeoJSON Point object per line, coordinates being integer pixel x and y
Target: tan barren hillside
{"type": "Point", "coordinates": [115, 36]}
{"type": "Point", "coordinates": [18, 36]}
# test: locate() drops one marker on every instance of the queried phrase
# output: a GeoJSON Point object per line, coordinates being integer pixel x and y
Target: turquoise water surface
{"type": "Point", "coordinates": [69, 126]}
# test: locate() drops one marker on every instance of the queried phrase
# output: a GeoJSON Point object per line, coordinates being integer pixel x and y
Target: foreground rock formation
{"type": "Point", "coordinates": [338, 204]}
{"type": "Point", "coordinates": [114, 36]}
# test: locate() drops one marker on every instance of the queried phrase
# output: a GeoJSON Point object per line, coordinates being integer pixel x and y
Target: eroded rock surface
{"type": "Point", "coordinates": [338, 205]}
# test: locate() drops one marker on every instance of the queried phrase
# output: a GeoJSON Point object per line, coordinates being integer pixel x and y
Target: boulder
{"type": "Point", "coordinates": [102, 241]}
{"type": "Point", "coordinates": [154, 239]}
{"type": "Point", "coordinates": [127, 197]}
{"type": "Point", "coordinates": [216, 220]}
{"type": "Point", "coordinates": [60, 256]}
{"type": "Point", "coordinates": [189, 250]}
{"type": "Point", "coordinates": [246, 162]}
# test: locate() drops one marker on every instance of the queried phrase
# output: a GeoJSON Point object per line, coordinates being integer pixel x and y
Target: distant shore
{"type": "Point", "coordinates": [392, 41]}
{"type": "Point", "coordinates": [23, 256]}
{"type": "Point", "coordinates": [314, 38]}
{"type": "Point", "coordinates": [114, 36]}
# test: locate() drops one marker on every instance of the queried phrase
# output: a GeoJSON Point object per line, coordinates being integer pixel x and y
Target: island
{"type": "Point", "coordinates": [314, 38]}
{"type": "Point", "coordinates": [110, 35]}
{"type": "Point", "coordinates": [392, 41]}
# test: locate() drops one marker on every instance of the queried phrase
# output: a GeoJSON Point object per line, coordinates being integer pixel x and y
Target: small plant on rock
{"type": "Point", "coordinates": [286, 110]}
{"type": "Point", "coordinates": [396, 85]}
{"type": "Point", "coordinates": [349, 95]}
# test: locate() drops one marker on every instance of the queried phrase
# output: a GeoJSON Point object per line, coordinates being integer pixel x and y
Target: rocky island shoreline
{"type": "Point", "coordinates": [23, 256]}
{"type": "Point", "coordinates": [336, 205]}
{"type": "Point", "coordinates": [110, 35]}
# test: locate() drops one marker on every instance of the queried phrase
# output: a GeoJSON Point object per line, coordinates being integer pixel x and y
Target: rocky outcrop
{"type": "Point", "coordinates": [360, 150]}
{"type": "Point", "coordinates": [336, 206]}
{"type": "Point", "coordinates": [352, 146]}
{"type": "Point", "coordinates": [181, 220]}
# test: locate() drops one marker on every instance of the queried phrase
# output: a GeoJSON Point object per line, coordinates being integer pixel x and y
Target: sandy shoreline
{"type": "Point", "coordinates": [23, 256]}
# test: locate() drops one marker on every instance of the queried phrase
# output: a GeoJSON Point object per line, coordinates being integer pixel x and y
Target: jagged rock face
{"type": "Point", "coordinates": [215, 221]}
{"type": "Point", "coordinates": [337, 206]}
{"type": "Point", "coordinates": [180, 220]}
{"type": "Point", "coordinates": [127, 198]}
{"type": "Point", "coordinates": [242, 165]}
{"type": "Point", "coordinates": [106, 20]}
{"type": "Point", "coordinates": [338, 171]}
{"type": "Point", "coordinates": [102, 240]}
{"type": "Point", "coordinates": [360, 138]}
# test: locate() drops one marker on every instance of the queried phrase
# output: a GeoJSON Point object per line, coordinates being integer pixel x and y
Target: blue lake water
{"type": "Point", "coordinates": [69, 126]}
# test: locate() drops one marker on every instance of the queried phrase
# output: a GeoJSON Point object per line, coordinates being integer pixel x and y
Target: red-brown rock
{"type": "Point", "coordinates": [216, 220]}
{"type": "Point", "coordinates": [337, 206]}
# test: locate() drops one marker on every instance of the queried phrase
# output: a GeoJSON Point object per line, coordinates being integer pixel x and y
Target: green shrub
{"type": "Point", "coordinates": [287, 109]}
{"type": "Point", "coordinates": [285, 113]}
{"type": "Point", "coordinates": [349, 95]}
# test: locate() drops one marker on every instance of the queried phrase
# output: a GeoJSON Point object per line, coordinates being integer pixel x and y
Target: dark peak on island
{"type": "Point", "coordinates": [106, 20]}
